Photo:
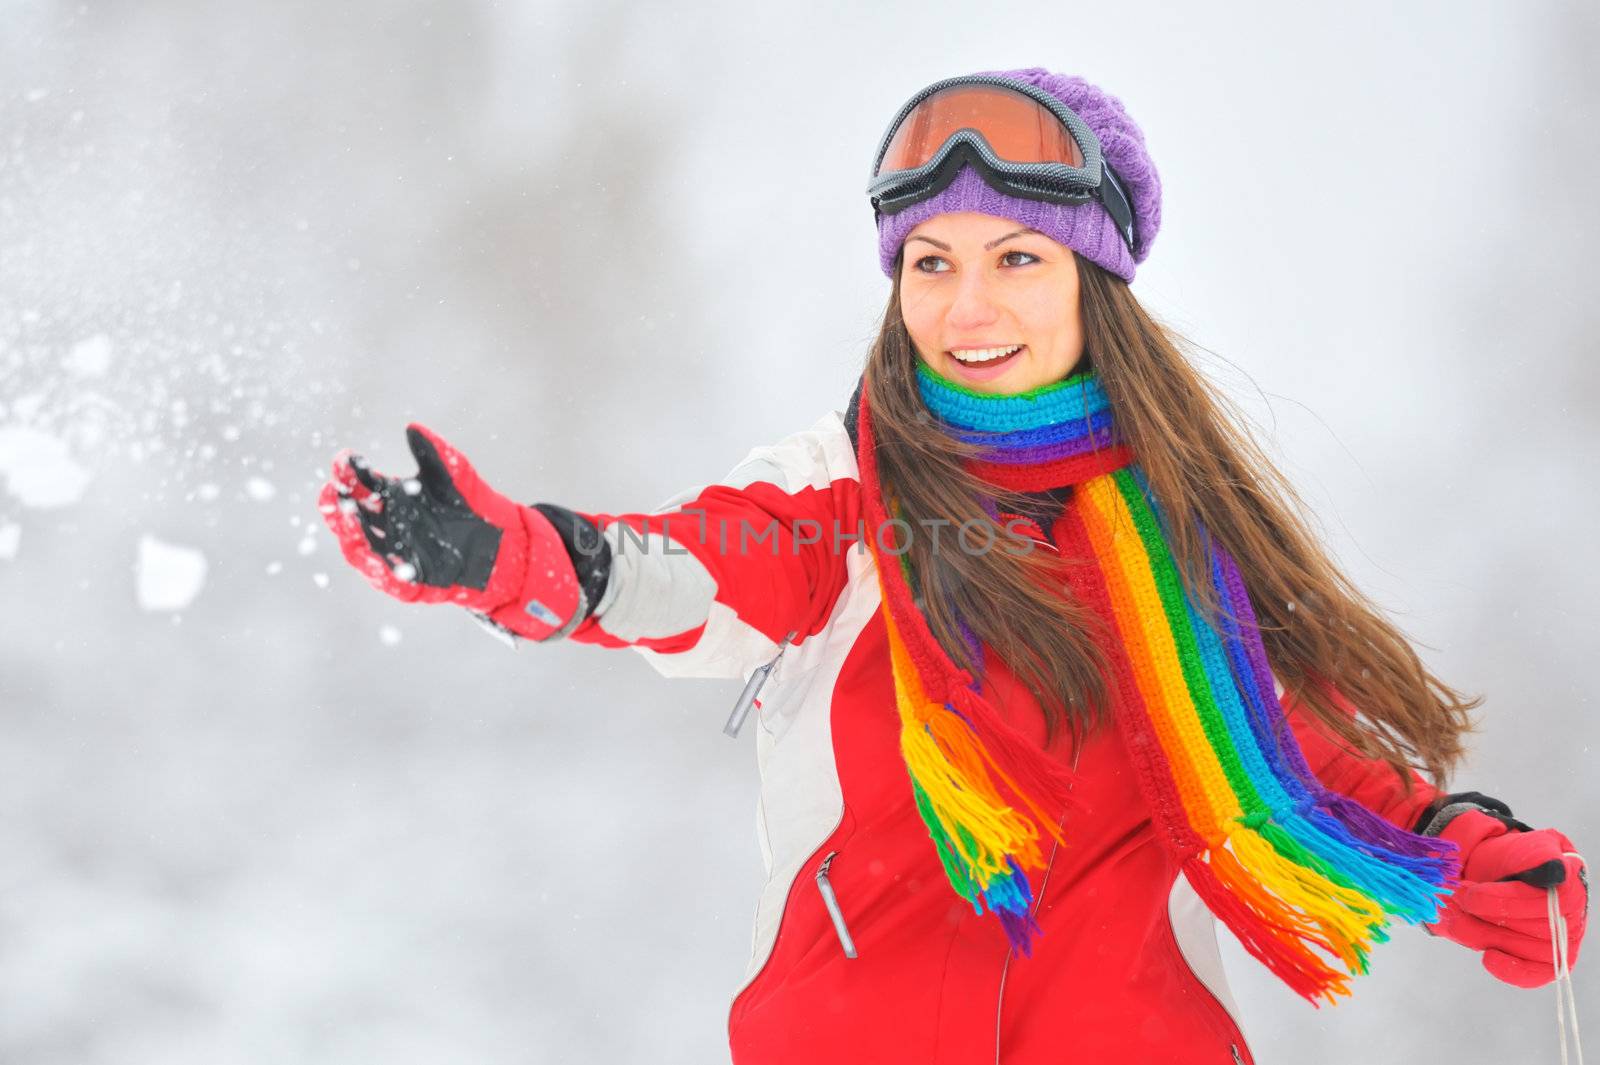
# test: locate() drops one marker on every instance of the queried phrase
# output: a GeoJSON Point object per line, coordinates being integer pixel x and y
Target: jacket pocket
{"type": "Point", "coordinates": [831, 901]}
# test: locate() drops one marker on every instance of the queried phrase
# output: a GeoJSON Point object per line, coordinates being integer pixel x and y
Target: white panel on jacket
{"type": "Point", "coordinates": [729, 648]}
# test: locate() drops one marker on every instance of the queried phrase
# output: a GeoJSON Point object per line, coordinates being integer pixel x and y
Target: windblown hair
{"type": "Point", "coordinates": [1202, 461]}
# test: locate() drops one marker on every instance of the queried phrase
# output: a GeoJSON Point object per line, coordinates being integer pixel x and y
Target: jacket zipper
{"type": "Point", "coordinates": [830, 900]}
{"type": "Point", "coordinates": [1233, 1048]}
{"type": "Point", "coordinates": [1000, 1000]}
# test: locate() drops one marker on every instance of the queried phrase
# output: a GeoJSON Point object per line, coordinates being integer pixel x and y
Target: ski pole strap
{"type": "Point", "coordinates": [1566, 997]}
{"type": "Point", "coordinates": [1446, 808]}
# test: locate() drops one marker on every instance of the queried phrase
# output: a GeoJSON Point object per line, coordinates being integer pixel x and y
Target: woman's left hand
{"type": "Point", "coordinates": [1508, 918]}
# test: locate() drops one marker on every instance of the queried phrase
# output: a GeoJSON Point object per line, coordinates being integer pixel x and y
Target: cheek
{"type": "Point", "coordinates": [1041, 322]}
{"type": "Point", "coordinates": [921, 316]}
{"type": "Point", "coordinates": [1052, 313]}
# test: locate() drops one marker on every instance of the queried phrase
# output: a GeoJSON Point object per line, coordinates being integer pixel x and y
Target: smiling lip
{"type": "Point", "coordinates": [983, 371]}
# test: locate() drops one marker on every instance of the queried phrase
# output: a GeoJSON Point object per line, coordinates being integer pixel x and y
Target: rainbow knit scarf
{"type": "Point", "coordinates": [1284, 862]}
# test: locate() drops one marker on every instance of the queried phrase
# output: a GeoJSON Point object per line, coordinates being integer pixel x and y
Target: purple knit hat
{"type": "Point", "coordinates": [1085, 228]}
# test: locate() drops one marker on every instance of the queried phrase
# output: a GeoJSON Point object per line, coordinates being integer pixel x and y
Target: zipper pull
{"type": "Point", "coordinates": [1237, 1060]}
{"type": "Point", "coordinates": [831, 901]}
{"type": "Point", "coordinates": [752, 687]}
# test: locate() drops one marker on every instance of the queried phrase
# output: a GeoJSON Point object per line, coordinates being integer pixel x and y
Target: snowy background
{"type": "Point", "coordinates": [252, 811]}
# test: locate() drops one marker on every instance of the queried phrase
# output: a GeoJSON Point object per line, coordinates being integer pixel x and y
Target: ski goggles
{"type": "Point", "coordinates": [1020, 139]}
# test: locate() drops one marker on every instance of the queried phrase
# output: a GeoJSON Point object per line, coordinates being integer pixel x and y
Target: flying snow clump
{"type": "Point", "coordinates": [169, 575]}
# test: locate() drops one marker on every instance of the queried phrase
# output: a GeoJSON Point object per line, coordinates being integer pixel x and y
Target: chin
{"type": "Point", "coordinates": [998, 387]}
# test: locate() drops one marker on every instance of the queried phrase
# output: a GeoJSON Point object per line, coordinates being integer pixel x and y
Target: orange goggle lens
{"type": "Point", "coordinates": [1018, 128]}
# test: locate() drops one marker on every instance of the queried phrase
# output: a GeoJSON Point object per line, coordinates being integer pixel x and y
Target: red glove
{"type": "Point", "coordinates": [1501, 906]}
{"type": "Point", "coordinates": [446, 537]}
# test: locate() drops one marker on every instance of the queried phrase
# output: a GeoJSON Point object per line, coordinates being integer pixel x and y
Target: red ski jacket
{"type": "Point", "coordinates": [861, 950]}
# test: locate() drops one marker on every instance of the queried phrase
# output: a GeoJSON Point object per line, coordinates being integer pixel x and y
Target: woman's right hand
{"type": "Point", "coordinates": [444, 536]}
{"type": "Point", "coordinates": [1500, 906]}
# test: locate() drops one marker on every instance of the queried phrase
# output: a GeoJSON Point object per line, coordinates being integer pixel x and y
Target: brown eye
{"type": "Point", "coordinates": [1009, 254]}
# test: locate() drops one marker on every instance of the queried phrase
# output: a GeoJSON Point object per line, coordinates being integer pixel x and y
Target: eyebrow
{"type": "Point", "coordinates": [987, 247]}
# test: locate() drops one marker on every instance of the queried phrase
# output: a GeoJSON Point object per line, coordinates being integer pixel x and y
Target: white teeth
{"type": "Point", "coordinates": [984, 354]}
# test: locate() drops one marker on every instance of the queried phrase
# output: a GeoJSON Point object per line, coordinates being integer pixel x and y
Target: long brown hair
{"type": "Point", "coordinates": [1202, 462]}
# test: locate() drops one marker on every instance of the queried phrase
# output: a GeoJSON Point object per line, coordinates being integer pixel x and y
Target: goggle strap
{"type": "Point", "coordinates": [1110, 192]}
{"type": "Point", "coordinates": [1115, 200]}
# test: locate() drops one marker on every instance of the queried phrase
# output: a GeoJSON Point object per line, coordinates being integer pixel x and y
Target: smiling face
{"type": "Point", "coordinates": [971, 283]}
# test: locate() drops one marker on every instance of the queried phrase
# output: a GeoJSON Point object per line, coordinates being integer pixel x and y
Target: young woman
{"type": "Point", "coordinates": [1051, 673]}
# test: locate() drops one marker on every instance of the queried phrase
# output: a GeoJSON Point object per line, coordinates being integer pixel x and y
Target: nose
{"type": "Point", "coordinates": [974, 306]}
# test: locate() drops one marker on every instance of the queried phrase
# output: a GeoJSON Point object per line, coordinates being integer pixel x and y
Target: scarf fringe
{"type": "Point", "coordinates": [951, 766]}
{"type": "Point", "coordinates": [1276, 945]}
{"type": "Point", "coordinates": [955, 745]}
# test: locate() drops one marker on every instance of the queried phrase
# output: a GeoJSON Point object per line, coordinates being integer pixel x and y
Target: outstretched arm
{"type": "Point", "coordinates": [706, 585]}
